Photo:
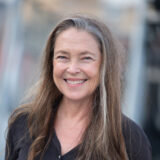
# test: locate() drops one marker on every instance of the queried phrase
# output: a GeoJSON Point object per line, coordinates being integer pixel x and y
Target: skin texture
{"type": "Point", "coordinates": [76, 58]}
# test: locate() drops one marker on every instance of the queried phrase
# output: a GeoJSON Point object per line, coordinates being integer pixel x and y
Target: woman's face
{"type": "Point", "coordinates": [76, 62]}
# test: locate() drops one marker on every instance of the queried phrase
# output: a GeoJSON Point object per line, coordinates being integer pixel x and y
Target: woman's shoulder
{"type": "Point", "coordinates": [137, 144]}
{"type": "Point", "coordinates": [17, 127]}
{"type": "Point", "coordinates": [19, 117]}
{"type": "Point", "coordinates": [17, 133]}
{"type": "Point", "coordinates": [19, 121]}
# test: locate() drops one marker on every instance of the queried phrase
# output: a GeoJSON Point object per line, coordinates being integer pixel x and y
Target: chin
{"type": "Point", "coordinates": [76, 98]}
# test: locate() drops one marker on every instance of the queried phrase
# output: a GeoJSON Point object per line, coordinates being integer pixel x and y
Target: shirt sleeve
{"type": "Point", "coordinates": [15, 136]}
{"type": "Point", "coordinates": [137, 144]}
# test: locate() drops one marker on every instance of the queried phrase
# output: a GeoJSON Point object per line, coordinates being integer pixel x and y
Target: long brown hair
{"type": "Point", "coordinates": [103, 139]}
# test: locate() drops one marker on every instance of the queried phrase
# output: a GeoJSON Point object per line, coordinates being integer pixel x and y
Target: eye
{"type": "Point", "coordinates": [87, 58]}
{"type": "Point", "coordinates": [61, 57]}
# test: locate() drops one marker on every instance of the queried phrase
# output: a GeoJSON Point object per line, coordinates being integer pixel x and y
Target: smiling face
{"type": "Point", "coordinates": [76, 62]}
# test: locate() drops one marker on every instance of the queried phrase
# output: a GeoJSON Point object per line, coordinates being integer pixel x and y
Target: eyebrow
{"type": "Point", "coordinates": [81, 53]}
{"type": "Point", "coordinates": [61, 51]}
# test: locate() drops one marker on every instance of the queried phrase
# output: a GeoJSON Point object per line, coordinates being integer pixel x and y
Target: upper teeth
{"type": "Point", "coordinates": [75, 82]}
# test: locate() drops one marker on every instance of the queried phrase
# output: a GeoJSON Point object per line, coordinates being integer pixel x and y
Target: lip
{"type": "Point", "coordinates": [75, 79]}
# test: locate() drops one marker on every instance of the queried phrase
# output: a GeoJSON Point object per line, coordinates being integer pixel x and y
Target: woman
{"type": "Point", "coordinates": [75, 109]}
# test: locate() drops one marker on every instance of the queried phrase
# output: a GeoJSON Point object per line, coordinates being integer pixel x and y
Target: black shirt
{"type": "Point", "coordinates": [137, 144]}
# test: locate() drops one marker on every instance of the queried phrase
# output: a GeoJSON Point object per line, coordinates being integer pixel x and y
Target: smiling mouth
{"type": "Point", "coordinates": [73, 82]}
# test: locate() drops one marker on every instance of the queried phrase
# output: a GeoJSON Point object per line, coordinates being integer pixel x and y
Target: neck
{"type": "Point", "coordinates": [75, 110]}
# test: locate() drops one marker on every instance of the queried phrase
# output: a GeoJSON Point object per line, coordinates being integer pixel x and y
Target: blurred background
{"type": "Point", "coordinates": [24, 28]}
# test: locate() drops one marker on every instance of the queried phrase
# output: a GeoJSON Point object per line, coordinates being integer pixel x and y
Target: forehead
{"type": "Point", "coordinates": [73, 37]}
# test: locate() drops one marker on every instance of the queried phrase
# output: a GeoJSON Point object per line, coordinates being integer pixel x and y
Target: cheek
{"type": "Point", "coordinates": [93, 74]}
{"type": "Point", "coordinates": [58, 69]}
{"type": "Point", "coordinates": [93, 70]}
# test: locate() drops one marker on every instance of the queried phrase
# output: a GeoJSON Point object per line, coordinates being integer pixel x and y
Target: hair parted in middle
{"type": "Point", "coordinates": [103, 139]}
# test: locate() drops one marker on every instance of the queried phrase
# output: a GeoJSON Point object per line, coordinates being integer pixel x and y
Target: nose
{"type": "Point", "coordinates": [73, 67]}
